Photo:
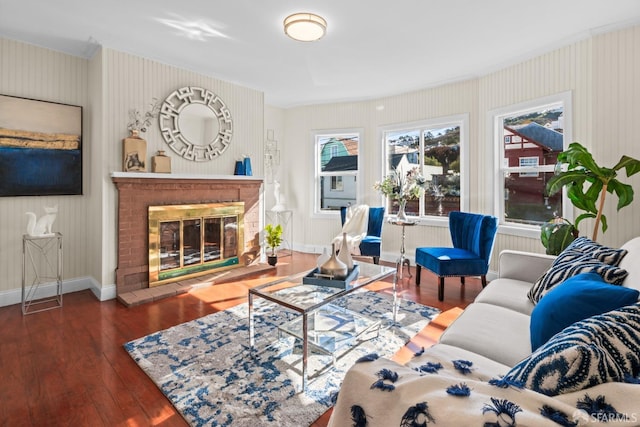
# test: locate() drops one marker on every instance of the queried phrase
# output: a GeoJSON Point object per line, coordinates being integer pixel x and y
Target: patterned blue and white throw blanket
{"type": "Point", "coordinates": [438, 388]}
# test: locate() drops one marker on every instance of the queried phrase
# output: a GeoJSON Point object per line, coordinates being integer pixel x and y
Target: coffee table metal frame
{"type": "Point", "coordinates": [369, 273]}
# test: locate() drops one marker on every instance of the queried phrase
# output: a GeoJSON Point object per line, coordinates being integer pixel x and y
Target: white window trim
{"type": "Point", "coordinates": [461, 120]}
{"type": "Point", "coordinates": [494, 131]}
{"type": "Point", "coordinates": [314, 192]}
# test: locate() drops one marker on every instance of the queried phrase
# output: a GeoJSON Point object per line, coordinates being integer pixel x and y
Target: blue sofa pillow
{"type": "Point", "coordinates": [602, 348]}
{"type": "Point", "coordinates": [575, 299]}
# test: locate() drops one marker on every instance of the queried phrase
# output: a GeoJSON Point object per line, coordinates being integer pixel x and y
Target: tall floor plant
{"type": "Point", "coordinates": [588, 183]}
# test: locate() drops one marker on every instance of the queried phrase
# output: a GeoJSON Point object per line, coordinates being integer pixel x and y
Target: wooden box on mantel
{"type": "Point", "coordinates": [161, 163]}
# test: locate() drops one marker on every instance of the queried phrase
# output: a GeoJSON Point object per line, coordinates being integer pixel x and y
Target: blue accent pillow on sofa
{"type": "Point", "coordinates": [575, 299]}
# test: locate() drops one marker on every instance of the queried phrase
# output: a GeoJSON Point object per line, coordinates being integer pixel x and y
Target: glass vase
{"type": "Point", "coordinates": [402, 215]}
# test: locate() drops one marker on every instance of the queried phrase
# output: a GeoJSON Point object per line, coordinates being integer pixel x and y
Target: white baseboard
{"type": "Point", "coordinates": [102, 293]}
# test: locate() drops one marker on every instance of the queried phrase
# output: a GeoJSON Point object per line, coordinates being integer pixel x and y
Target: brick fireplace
{"type": "Point", "coordinates": [138, 191]}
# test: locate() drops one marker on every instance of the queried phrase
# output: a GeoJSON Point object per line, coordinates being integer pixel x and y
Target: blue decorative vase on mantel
{"type": "Point", "coordinates": [247, 166]}
{"type": "Point", "coordinates": [239, 169]}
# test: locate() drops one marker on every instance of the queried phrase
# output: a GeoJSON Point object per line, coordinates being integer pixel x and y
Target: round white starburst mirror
{"type": "Point", "coordinates": [195, 123]}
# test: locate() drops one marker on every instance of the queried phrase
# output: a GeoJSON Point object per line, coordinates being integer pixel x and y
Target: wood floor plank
{"type": "Point", "coordinates": [68, 366]}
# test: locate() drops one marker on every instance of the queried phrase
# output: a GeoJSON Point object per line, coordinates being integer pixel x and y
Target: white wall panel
{"type": "Point", "coordinates": [32, 72]}
{"type": "Point", "coordinates": [616, 108]}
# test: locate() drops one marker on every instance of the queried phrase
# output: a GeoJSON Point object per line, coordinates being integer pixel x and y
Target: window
{"type": "Point", "coordinates": [336, 183]}
{"type": "Point", "coordinates": [531, 163]}
{"type": "Point", "coordinates": [336, 170]}
{"type": "Point", "coordinates": [437, 149]}
{"type": "Point", "coordinates": [529, 138]}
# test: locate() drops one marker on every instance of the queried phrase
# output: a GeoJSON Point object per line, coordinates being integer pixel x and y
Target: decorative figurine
{"type": "Point", "coordinates": [42, 226]}
{"type": "Point", "coordinates": [280, 199]}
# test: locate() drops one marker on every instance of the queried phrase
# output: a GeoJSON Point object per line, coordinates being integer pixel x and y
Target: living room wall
{"type": "Point", "coordinates": [32, 72]}
{"type": "Point", "coordinates": [601, 73]}
{"type": "Point", "coordinates": [132, 82]}
{"type": "Point", "coordinates": [106, 86]}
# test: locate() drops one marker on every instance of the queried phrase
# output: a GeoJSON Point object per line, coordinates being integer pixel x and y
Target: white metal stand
{"type": "Point", "coordinates": [285, 219]}
{"type": "Point", "coordinates": [41, 264]}
{"type": "Point", "coordinates": [402, 261]}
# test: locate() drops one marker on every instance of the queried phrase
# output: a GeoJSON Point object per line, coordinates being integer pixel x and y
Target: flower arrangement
{"type": "Point", "coordinates": [402, 186]}
{"type": "Point", "coordinates": [139, 122]}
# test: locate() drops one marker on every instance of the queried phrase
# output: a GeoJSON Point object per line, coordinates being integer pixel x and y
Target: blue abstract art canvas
{"type": "Point", "coordinates": [40, 148]}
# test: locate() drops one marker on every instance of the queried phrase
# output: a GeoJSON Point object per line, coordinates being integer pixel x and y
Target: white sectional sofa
{"type": "Point", "coordinates": [461, 380]}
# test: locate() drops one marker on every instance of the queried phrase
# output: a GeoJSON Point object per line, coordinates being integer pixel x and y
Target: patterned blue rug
{"type": "Point", "coordinates": [205, 369]}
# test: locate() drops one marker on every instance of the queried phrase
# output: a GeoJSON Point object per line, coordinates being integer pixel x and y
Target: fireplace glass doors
{"type": "Point", "coordinates": [189, 240]}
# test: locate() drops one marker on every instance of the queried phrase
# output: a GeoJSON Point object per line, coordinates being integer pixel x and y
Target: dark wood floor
{"type": "Point", "coordinates": [67, 366]}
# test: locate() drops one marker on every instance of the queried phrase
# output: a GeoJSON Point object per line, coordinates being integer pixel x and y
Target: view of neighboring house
{"type": "Point", "coordinates": [531, 145]}
{"type": "Point", "coordinates": [338, 157]}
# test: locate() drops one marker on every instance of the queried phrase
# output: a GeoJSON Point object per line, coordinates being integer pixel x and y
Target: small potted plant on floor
{"type": "Point", "coordinates": [273, 238]}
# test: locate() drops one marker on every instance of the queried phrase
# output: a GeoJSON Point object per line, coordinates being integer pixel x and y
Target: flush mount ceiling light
{"type": "Point", "coordinates": [305, 27]}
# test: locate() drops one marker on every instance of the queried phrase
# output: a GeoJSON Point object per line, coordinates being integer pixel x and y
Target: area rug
{"type": "Point", "coordinates": [205, 368]}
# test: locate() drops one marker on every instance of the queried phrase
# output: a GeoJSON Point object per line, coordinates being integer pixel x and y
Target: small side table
{"type": "Point", "coordinates": [43, 256]}
{"type": "Point", "coordinates": [402, 260]}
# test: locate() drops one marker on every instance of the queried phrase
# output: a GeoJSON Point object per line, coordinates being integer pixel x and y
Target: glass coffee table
{"type": "Point", "coordinates": [321, 326]}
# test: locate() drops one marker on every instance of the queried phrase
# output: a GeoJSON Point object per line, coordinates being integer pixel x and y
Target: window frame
{"type": "Point", "coordinates": [496, 138]}
{"type": "Point", "coordinates": [316, 136]}
{"type": "Point", "coordinates": [461, 120]}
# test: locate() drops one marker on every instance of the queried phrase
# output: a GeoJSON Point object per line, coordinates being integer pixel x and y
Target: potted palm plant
{"type": "Point", "coordinates": [588, 183]}
{"type": "Point", "coordinates": [273, 238]}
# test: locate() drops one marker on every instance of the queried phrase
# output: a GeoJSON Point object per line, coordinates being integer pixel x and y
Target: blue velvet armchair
{"type": "Point", "coordinates": [370, 244]}
{"type": "Point", "coordinates": [472, 236]}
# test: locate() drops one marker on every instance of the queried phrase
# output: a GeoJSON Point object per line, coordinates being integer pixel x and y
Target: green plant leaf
{"type": "Point", "coordinates": [603, 221]}
{"type": "Point", "coordinates": [578, 156]}
{"type": "Point", "coordinates": [583, 216]}
{"type": "Point", "coordinates": [623, 191]}
{"type": "Point", "coordinates": [631, 165]}
{"type": "Point", "coordinates": [556, 182]}
{"type": "Point", "coordinates": [273, 236]}
{"type": "Point", "coordinates": [560, 239]}
{"type": "Point", "coordinates": [580, 199]}
{"type": "Point", "coordinates": [556, 234]}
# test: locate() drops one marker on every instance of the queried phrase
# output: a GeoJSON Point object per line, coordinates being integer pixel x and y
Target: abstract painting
{"type": "Point", "coordinates": [40, 148]}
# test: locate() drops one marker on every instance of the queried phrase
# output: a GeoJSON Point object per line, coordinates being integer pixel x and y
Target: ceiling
{"type": "Point", "coordinates": [373, 48]}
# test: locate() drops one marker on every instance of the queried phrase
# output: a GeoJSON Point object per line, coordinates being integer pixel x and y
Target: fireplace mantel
{"type": "Point", "coordinates": [174, 176]}
{"type": "Point", "coordinates": [138, 191]}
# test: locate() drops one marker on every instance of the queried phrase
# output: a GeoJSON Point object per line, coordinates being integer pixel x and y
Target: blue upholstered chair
{"type": "Point", "coordinates": [370, 245]}
{"type": "Point", "coordinates": [472, 236]}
